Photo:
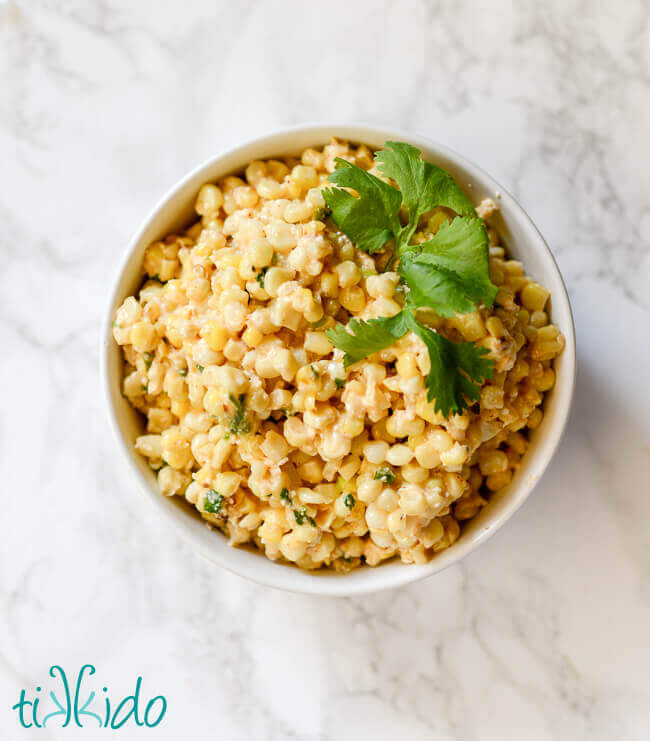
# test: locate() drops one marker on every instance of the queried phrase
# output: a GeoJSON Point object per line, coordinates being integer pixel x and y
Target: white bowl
{"type": "Point", "coordinates": [523, 241]}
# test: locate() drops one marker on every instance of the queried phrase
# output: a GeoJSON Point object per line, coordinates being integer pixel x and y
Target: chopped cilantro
{"type": "Point", "coordinates": [156, 278]}
{"type": "Point", "coordinates": [449, 273]}
{"type": "Point", "coordinates": [148, 359]}
{"type": "Point", "coordinates": [199, 368]}
{"type": "Point", "coordinates": [384, 474]}
{"type": "Point", "coordinates": [284, 494]}
{"type": "Point", "coordinates": [315, 371]}
{"type": "Point", "coordinates": [349, 501]}
{"type": "Point", "coordinates": [320, 214]}
{"type": "Point", "coordinates": [339, 382]}
{"type": "Point", "coordinates": [182, 372]}
{"type": "Point", "coordinates": [239, 425]}
{"type": "Point", "coordinates": [260, 276]}
{"type": "Point", "coordinates": [212, 501]}
{"type": "Point", "coordinates": [319, 323]}
{"type": "Point", "coordinates": [301, 515]}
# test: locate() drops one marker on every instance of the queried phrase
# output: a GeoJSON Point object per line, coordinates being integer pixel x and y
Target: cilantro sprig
{"type": "Point", "coordinates": [448, 273]}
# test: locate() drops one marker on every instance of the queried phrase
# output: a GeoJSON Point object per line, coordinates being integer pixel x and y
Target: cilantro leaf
{"type": "Point", "coordinates": [456, 267]}
{"type": "Point", "coordinates": [369, 220]}
{"type": "Point", "coordinates": [457, 370]}
{"type": "Point", "coordinates": [238, 425]}
{"type": "Point", "coordinates": [433, 288]}
{"type": "Point", "coordinates": [423, 185]}
{"type": "Point", "coordinates": [367, 336]}
{"type": "Point", "coordinates": [301, 515]}
{"type": "Point", "coordinates": [260, 276]}
{"type": "Point", "coordinates": [384, 474]}
{"type": "Point", "coordinates": [212, 501]}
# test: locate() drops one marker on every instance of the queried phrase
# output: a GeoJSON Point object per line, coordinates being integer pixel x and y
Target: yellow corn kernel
{"type": "Point", "coordinates": [329, 285]}
{"type": "Point", "coordinates": [180, 407]}
{"type": "Point", "coordinates": [494, 326]}
{"type": "Point", "coordinates": [534, 297]}
{"type": "Point", "coordinates": [426, 410]}
{"type": "Point", "coordinates": [214, 335]}
{"type": "Point", "coordinates": [407, 365]}
{"type": "Point", "coordinates": [352, 426]}
{"type": "Point", "coordinates": [318, 343]}
{"type": "Point", "coordinates": [353, 299]}
{"type": "Point", "coordinates": [252, 336]}
{"type": "Point", "coordinates": [209, 200]}
{"type": "Point", "coordinates": [436, 220]}
{"type": "Point", "coordinates": [143, 336]}
{"type": "Point", "coordinates": [213, 401]}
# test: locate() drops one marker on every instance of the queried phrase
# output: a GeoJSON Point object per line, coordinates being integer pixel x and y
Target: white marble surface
{"type": "Point", "coordinates": [540, 634]}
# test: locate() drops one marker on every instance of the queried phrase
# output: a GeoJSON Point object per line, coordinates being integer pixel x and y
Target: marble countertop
{"type": "Point", "coordinates": [540, 634]}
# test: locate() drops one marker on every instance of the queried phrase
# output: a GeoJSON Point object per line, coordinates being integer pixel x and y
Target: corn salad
{"type": "Point", "coordinates": [250, 414]}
